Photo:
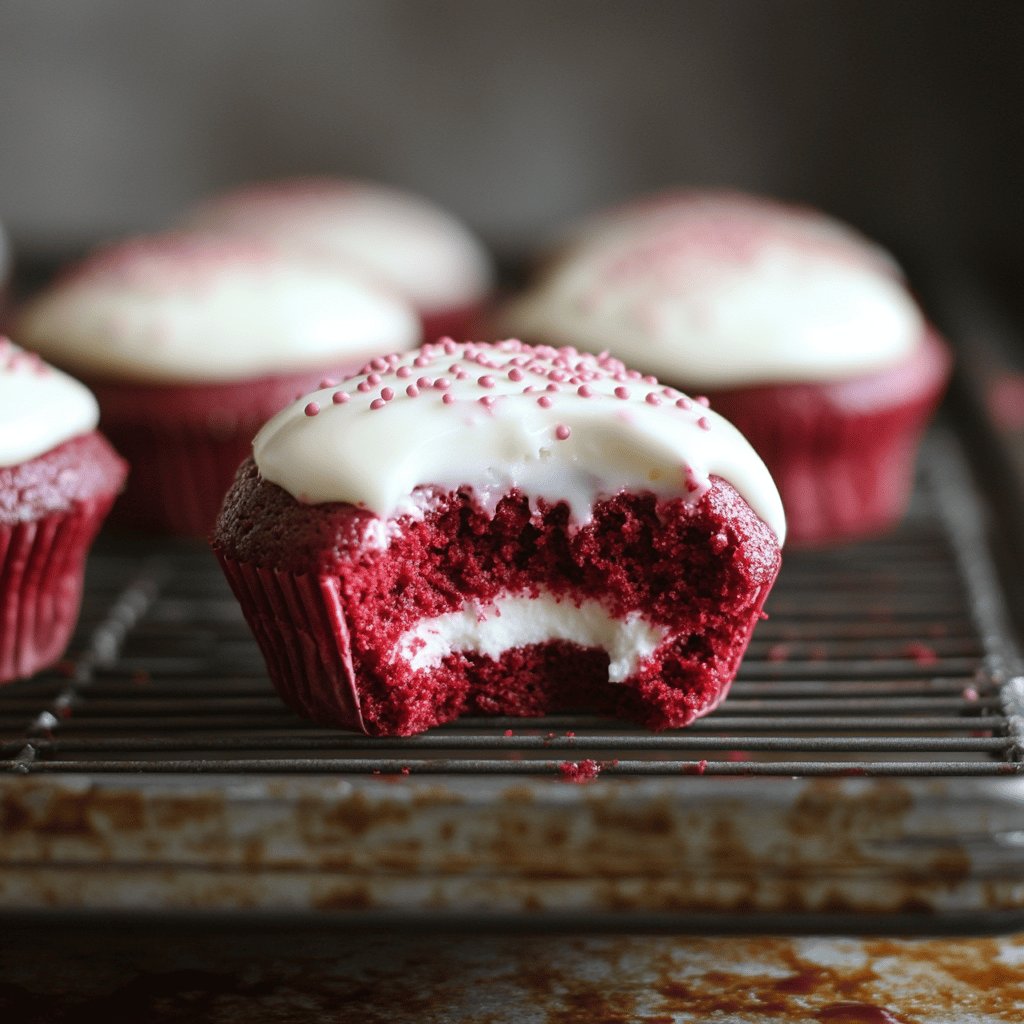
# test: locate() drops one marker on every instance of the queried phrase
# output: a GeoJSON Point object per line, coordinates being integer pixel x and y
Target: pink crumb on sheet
{"type": "Point", "coordinates": [579, 771]}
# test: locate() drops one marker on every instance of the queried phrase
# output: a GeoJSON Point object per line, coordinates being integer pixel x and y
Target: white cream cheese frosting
{"type": "Point", "coordinates": [175, 308]}
{"type": "Point", "coordinates": [40, 407]}
{"type": "Point", "coordinates": [557, 424]}
{"type": "Point", "coordinates": [412, 245]}
{"type": "Point", "coordinates": [713, 291]}
{"type": "Point", "coordinates": [517, 620]}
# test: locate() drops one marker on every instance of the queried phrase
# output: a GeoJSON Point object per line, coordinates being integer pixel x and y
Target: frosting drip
{"type": "Point", "coordinates": [40, 407]}
{"type": "Point", "coordinates": [556, 424]}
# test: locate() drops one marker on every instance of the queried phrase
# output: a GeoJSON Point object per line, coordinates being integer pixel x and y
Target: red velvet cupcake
{"type": "Point", "coordinates": [58, 479]}
{"type": "Point", "coordinates": [500, 529]}
{"type": "Point", "coordinates": [414, 247]}
{"type": "Point", "coordinates": [191, 344]}
{"type": "Point", "coordinates": [800, 331]}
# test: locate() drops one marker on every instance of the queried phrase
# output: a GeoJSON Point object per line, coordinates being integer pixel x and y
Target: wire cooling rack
{"type": "Point", "coordinates": [890, 657]}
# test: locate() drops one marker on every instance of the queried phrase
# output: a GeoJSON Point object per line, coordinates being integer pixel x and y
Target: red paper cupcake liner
{"type": "Point", "coordinates": [178, 476]}
{"type": "Point", "coordinates": [300, 627]}
{"type": "Point", "coordinates": [41, 568]}
{"type": "Point", "coordinates": [458, 322]}
{"type": "Point", "coordinates": [184, 443]}
{"type": "Point", "coordinates": [842, 454]}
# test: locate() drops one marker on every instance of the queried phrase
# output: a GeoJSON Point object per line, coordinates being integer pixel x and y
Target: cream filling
{"type": "Point", "coordinates": [514, 621]}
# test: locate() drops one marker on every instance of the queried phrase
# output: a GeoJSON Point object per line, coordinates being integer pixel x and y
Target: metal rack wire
{"type": "Point", "coordinates": [891, 657]}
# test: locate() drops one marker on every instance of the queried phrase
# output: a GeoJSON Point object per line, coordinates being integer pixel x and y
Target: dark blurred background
{"type": "Point", "coordinates": [903, 116]}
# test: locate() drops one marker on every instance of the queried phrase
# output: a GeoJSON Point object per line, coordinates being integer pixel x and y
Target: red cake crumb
{"type": "Point", "coordinates": [921, 653]}
{"type": "Point", "coordinates": [579, 771]}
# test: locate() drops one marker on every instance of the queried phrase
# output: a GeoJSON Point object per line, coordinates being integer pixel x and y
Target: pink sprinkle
{"type": "Point", "coordinates": [552, 387]}
{"type": "Point", "coordinates": [378, 403]}
{"type": "Point", "coordinates": [650, 379]}
{"type": "Point", "coordinates": [585, 391]}
{"type": "Point", "coordinates": [562, 432]}
{"type": "Point", "coordinates": [486, 381]}
{"type": "Point", "coordinates": [703, 423]}
{"type": "Point", "coordinates": [450, 347]}
{"type": "Point", "coordinates": [387, 394]}
{"type": "Point", "coordinates": [447, 398]}
{"type": "Point", "coordinates": [364, 386]}
{"type": "Point", "coordinates": [515, 374]}
{"type": "Point", "coordinates": [423, 382]}
{"type": "Point", "coordinates": [412, 391]}
{"type": "Point", "coordinates": [544, 402]}
{"type": "Point", "coordinates": [379, 363]}
{"type": "Point", "coordinates": [442, 383]}
{"type": "Point", "coordinates": [487, 401]}
{"type": "Point", "coordinates": [328, 382]}
{"type": "Point", "coordinates": [702, 400]}
{"type": "Point", "coordinates": [339, 397]}
{"type": "Point", "coordinates": [683, 403]}
{"type": "Point", "coordinates": [622, 392]}
{"type": "Point", "coordinates": [373, 380]}
{"type": "Point", "coordinates": [403, 372]}
{"type": "Point", "coordinates": [652, 398]}
{"type": "Point", "coordinates": [312, 408]}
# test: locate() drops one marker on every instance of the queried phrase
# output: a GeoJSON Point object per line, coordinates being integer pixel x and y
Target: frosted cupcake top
{"type": "Point", "coordinates": [714, 290]}
{"type": "Point", "coordinates": [409, 243]}
{"type": "Point", "coordinates": [556, 424]}
{"type": "Point", "coordinates": [173, 308]}
{"type": "Point", "coordinates": [40, 407]}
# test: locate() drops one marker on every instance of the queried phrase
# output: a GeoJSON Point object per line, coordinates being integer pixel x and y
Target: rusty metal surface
{"type": "Point", "coordinates": [310, 976]}
{"type": "Point", "coordinates": [868, 763]}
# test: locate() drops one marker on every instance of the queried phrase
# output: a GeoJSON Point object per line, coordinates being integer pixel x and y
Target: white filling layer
{"type": "Point", "coordinates": [518, 621]}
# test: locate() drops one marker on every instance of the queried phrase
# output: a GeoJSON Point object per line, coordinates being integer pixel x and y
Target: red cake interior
{"type": "Point", "coordinates": [328, 602]}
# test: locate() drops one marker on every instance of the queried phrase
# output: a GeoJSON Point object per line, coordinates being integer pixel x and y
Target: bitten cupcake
{"type": "Point", "coordinates": [800, 331]}
{"type": "Point", "coordinates": [415, 247]}
{"type": "Point", "coordinates": [500, 529]}
{"type": "Point", "coordinates": [191, 344]}
{"type": "Point", "coordinates": [58, 479]}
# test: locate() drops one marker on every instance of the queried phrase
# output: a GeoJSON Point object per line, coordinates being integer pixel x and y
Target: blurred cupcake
{"type": "Point", "coordinates": [192, 343]}
{"type": "Point", "coordinates": [407, 242]}
{"type": "Point", "coordinates": [797, 329]}
{"type": "Point", "coordinates": [58, 479]}
{"type": "Point", "coordinates": [5, 275]}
